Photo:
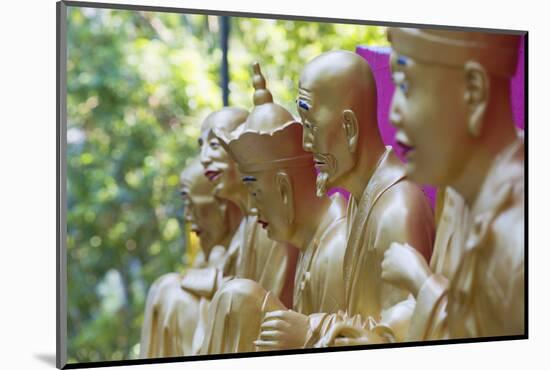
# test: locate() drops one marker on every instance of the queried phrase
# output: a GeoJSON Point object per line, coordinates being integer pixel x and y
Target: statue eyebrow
{"type": "Point", "coordinates": [249, 179]}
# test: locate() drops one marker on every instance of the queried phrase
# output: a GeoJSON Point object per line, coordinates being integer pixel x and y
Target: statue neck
{"type": "Point", "coordinates": [309, 209]}
{"type": "Point", "coordinates": [233, 217]}
{"type": "Point", "coordinates": [369, 152]}
{"type": "Point", "coordinates": [498, 133]}
{"type": "Point", "coordinates": [239, 197]}
{"type": "Point", "coordinates": [309, 215]}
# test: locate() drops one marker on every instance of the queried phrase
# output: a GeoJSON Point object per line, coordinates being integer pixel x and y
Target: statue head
{"type": "Point", "coordinates": [447, 84]}
{"type": "Point", "coordinates": [219, 168]}
{"type": "Point", "coordinates": [337, 106]}
{"type": "Point", "coordinates": [203, 211]}
{"type": "Point", "coordinates": [277, 171]}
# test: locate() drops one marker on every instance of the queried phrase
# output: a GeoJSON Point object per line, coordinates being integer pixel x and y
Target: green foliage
{"type": "Point", "coordinates": [282, 48]}
{"type": "Point", "coordinates": [138, 86]}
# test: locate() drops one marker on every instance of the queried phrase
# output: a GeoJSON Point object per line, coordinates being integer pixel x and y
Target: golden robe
{"type": "Point", "coordinates": [449, 250]}
{"type": "Point", "coordinates": [172, 314]}
{"type": "Point", "coordinates": [485, 296]}
{"type": "Point", "coordinates": [237, 309]}
{"type": "Point", "coordinates": [391, 209]}
{"type": "Point", "coordinates": [250, 255]}
{"type": "Point", "coordinates": [177, 304]}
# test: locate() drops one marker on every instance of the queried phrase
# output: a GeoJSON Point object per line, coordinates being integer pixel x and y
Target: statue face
{"type": "Point", "coordinates": [272, 204]}
{"type": "Point", "coordinates": [324, 135]}
{"type": "Point", "coordinates": [219, 168]}
{"type": "Point", "coordinates": [205, 215]}
{"type": "Point", "coordinates": [430, 113]}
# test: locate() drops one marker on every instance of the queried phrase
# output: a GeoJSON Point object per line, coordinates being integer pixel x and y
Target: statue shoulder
{"type": "Point", "coordinates": [400, 203]}
{"type": "Point", "coordinates": [167, 279]}
{"type": "Point", "coordinates": [334, 237]}
{"type": "Point", "coordinates": [334, 240]}
{"type": "Point", "coordinates": [507, 233]}
{"type": "Point", "coordinates": [499, 214]}
{"type": "Point", "coordinates": [403, 214]}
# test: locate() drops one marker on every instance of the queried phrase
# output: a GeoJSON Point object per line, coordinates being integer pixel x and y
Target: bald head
{"type": "Point", "coordinates": [226, 119]}
{"type": "Point", "coordinates": [340, 79]}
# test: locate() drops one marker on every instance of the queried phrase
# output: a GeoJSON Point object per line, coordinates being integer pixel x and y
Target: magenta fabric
{"type": "Point", "coordinates": [518, 88]}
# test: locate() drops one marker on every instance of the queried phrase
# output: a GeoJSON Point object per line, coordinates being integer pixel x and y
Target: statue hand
{"type": "Point", "coordinates": [405, 267]}
{"type": "Point", "coordinates": [344, 342]}
{"type": "Point", "coordinates": [344, 333]}
{"type": "Point", "coordinates": [283, 330]}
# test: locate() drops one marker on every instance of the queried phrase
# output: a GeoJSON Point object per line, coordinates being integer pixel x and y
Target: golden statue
{"type": "Point", "coordinates": [281, 180]}
{"type": "Point", "coordinates": [251, 254]}
{"type": "Point", "coordinates": [172, 314]}
{"type": "Point", "coordinates": [452, 111]}
{"type": "Point", "coordinates": [337, 103]}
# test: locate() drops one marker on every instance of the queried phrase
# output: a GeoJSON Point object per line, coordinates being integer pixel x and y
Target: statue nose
{"type": "Point", "coordinates": [205, 157]}
{"type": "Point", "coordinates": [395, 117]}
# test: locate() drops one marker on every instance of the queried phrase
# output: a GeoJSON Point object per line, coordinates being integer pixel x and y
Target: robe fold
{"type": "Point", "coordinates": [238, 307]}
{"type": "Point", "coordinates": [177, 304]}
{"type": "Point", "coordinates": [391, 209]}
{"type": "Point", "coordinates": [482, 293]}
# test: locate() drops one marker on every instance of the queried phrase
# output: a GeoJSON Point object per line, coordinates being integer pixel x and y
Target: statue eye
{"type": "Point", "coordinates": [214, 145]}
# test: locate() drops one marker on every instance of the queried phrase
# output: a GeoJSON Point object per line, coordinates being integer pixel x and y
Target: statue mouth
{"type": "Point", "coordinates": [212, 175]}
{"type": "Point", "coordinates": [404, 144]}
{"type": "Point", "coordinates": [405, 149]}
{"type": "Point", "coordinates": [263, 223]}
{"type": "Point", "coordinates": [320, 162]}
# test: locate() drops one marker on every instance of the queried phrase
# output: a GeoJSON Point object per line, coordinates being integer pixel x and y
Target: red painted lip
{"type": "Point", "coordinates": [263, 223]}
{"type": "Point", "coordinates": [404, 148]}
{"type": "Point", "coordinates": [212, 175]}
{"type": "Point", "coordinates": [317, 163]}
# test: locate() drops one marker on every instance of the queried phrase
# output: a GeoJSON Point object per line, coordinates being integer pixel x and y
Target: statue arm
{"type": "Point", "coordinates": [405, 218]}
{"type": "Point", "coordinates": [404, 241]}
{"type": "Point", "coordinates": [204, 282]}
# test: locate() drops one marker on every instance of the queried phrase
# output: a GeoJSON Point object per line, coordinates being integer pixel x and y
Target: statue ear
{"type": "Point", "coordinates": [476, 96]}
{"type": "Point", "coordinates": [351, 128]}
{"type": "Point", "coordinates": [286, 193]}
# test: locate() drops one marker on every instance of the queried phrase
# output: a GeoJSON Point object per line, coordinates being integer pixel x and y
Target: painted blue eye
{"type": "Point", "coordinates": [404, 87]}
{"type": "Point", "coordinates": [401, 60]}
{"type": "Point", "coordinates": [303, 105]}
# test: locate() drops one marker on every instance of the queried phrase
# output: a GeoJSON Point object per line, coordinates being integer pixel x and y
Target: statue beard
{"type": "Point", "coordinates": [324, 176]}
{"type": "Point", "coordinates": [322, 184]}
